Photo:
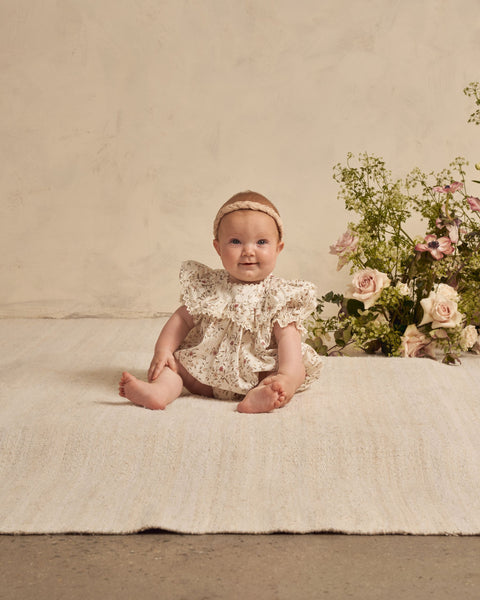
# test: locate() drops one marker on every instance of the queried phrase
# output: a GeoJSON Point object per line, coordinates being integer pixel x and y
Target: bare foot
{"type": "Point", "coordinates": [261, 399]}
{"type": "Point", "coordinates": [141, 393]}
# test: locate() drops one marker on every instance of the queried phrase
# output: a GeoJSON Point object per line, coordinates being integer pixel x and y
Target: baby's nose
{"type": "Point", "coordinates": [249, 249]}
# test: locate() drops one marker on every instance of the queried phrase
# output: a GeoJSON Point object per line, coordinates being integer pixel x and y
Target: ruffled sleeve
{"type": "Point", "coordinates": [201, 289]}
{"type": "Point", "coordinates": [294, 301]}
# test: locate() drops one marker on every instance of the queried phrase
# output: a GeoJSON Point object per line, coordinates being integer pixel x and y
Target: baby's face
{"type": "Point", "coordinates": [248, 245]}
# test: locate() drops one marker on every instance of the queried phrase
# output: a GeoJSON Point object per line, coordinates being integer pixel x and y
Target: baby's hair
{"type": "Point", "coordinates": [248, 201]}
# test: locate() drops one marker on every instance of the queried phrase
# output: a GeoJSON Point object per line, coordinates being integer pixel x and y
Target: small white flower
{"type": "Point", "coordinates": [469, 337]}
{"type": "Point", "coordinates": [403, 288]}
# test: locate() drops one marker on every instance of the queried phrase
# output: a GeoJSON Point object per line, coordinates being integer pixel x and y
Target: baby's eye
{"type": "Point", "coordinates": [235, 241]}
{"type": "Point", "coordinates": [262, 242]}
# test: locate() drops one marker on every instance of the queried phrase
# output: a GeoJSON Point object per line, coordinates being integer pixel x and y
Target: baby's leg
{"type": "Point", "coordinates": [155, 395]}
{"type": "Point", "coordinates": [261, 399]}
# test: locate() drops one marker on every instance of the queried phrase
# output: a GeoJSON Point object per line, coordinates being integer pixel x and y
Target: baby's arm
{"type": "Point", "coordinates": [291, 371]}
{"type": "Point", "coordinates": [172, 335]}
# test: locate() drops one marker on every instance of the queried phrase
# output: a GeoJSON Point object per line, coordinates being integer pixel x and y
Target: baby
{"type": "Point", "coordinates": [238, 333]}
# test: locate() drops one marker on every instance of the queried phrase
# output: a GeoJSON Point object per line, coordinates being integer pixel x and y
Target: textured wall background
{"type": "Point", "coordinates": [126, 123]}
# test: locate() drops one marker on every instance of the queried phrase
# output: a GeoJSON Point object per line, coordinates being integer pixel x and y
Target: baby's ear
{"type": "Point", "coordinates": [216, 245]}
{"type": "Point", "coordinates": [280, 246]}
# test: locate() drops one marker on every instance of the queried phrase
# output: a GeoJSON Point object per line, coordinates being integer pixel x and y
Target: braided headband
{"type": "Point", "coordinates": [247, 205]}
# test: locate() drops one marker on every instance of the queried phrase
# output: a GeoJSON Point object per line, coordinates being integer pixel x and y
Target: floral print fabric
{"type": "Point", "coordinates": [232, 340]}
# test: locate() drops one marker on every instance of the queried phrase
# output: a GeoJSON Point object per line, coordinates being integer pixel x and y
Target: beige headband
{"type": "Point", "coordinates": [247, 205]}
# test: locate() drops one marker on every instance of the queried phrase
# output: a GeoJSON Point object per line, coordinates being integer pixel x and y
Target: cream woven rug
{"type": "Point", "coordinates": [377, 446]}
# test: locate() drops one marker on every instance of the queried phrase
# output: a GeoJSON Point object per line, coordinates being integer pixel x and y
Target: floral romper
{"type": "Point", "coordinates": [232, 340]}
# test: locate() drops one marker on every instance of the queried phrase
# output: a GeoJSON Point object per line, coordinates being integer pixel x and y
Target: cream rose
{"type": "Point", "coordinates": [469, 337]}
{"type": "Point", "coordinates": [367, 285]}
{"type": "Point", "coordinates": [441, 309]}
{"type": "Point", "coordinates": [416, 344]}
{"type": "Point", "coordinates": [447, 291]}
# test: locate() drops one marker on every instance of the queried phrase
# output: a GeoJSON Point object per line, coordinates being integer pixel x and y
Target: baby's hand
{"type": "Point", "coordinates": [160, 360]}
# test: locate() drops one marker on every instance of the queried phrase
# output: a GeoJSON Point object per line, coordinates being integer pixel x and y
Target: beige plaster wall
{"type": "Point", "coordinates": [126, 123]}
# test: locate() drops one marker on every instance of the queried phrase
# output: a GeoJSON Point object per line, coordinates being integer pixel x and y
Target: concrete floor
{"type": "Point", "coordinates": [210, 567]}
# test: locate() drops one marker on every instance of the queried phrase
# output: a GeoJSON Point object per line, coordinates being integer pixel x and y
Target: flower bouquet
{"type": "Point", "coordinates": [409, 296]}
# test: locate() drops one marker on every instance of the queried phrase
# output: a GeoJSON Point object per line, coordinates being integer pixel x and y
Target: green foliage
{"type": "Point", "coordinates": [382, 208]}
{"type": "Point", "coordinates": [473, 90]}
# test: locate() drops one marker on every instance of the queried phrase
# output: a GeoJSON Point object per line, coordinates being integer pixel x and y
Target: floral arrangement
{"type": "Point", "coordinates": [409, 296]}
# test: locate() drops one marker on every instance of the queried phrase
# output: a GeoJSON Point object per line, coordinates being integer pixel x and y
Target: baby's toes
{"type": "Point", "coordinates": [277, 387]}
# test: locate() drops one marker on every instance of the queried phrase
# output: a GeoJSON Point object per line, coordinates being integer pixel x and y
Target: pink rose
{"type": "Point", "coordinates": [344, 247]}
{"type": "Point", "coordinates": [437, 247]}
{"type": "Point", "coordinates": [367, 285]}
{"type": "Point", "coordinates": [441, 309]}
{"type": "Point", "coordinates": [474, 203]}
{"type": "Point", "coordinates": [416, 344]}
